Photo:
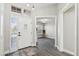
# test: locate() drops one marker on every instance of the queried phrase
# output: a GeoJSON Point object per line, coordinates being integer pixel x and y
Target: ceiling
{"type": "Point", "coordinates": [49, 20]}
{"type": "Point", "coordinates": [38, 5]}
{"type": "Point", "coordinates": [44, 4]}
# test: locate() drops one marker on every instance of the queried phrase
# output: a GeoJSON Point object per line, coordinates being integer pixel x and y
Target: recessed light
{"type": "Point", "coordinates": [28, 5]}
{"type": "Point", "coordinates": [44, 20]}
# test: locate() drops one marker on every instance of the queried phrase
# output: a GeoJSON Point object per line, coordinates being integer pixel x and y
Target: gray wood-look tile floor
{"type": "Point", "coordinates": [45, 47]}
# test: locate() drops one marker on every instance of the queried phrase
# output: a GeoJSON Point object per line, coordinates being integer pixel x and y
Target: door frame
{"type": "Point", "coordinates": [56, 21]}
{"type": "Point", "coordinates": [1, 35]}
{"type": "Point", "coordinates": [68, 6]}
{"type": "Point", "coordinates": [2, 53]}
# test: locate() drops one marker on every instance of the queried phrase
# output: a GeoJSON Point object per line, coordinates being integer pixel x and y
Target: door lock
{"type": "Point", "coordinates": [19, 34]}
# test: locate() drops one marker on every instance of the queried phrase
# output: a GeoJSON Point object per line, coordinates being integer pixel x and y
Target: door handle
{"type": "Point", "coordinates": [19, 34]}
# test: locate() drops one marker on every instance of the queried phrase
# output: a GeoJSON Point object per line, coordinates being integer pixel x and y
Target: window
{"type": "Point", "coordinates": [15, 9]}
{"type": "Point", "coordinates": [26, 11]}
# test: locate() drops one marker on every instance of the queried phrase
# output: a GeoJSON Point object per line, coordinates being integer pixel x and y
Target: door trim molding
{"type": "Point", "coordinates": [56, 28]}
{"type": "Point", "coordinates": [76, 29]}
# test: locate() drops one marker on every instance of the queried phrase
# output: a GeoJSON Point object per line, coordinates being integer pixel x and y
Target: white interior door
{"type": "Point", "coordinates": [69, 31]}
{"type": "Point", "coordinates": [24, 35]}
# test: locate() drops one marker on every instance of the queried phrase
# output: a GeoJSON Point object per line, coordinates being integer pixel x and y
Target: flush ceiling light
{"type": "Point", "coordinates": [44, 20]}
{"type": "Point", "coordinates": [28, 5]}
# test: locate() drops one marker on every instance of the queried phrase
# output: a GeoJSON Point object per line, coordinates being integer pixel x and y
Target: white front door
{"type": "Point", "coordinates": [24, 37]}
{"type": "Point", "coordinates": [21, 32]}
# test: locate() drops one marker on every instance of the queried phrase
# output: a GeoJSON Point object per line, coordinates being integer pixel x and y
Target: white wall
{"type": "Point", "coordinates": [1, 29]}
{"type": "Point", "coordinates": [6, 30]}
{"type": "Point", "coordinates": [48, 10]}
{"type": "Point", "coordinates": [60, 26]}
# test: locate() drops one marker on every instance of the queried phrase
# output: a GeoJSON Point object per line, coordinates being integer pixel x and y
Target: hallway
{"type": "Point", "coordinates": [45, 47]}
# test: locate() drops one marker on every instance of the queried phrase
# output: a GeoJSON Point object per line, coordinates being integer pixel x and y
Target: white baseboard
{"type": "Point", "coordinates": [59, 48]}
{"type": "Point", "coordinates": [6, 52]}
{"type": "Point", "coordinates": [64, 50]}
{"type": "Point", "coordinates": [33, 44]}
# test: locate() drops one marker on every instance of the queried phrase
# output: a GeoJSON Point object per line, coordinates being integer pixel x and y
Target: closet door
{"type": "Point", "coordinates": [69, 30]}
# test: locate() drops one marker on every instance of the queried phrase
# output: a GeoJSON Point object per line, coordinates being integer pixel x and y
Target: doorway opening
{"type": "Point", "coordinates": [46, 32]}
